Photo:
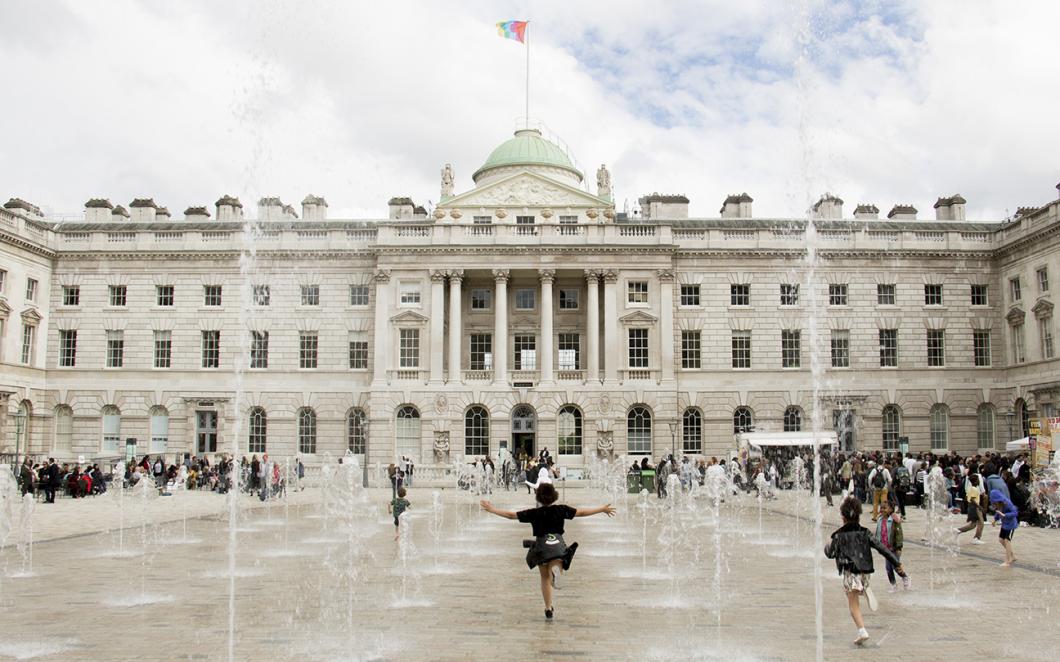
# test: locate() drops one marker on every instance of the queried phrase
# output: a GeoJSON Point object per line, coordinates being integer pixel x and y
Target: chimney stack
{"type": "Point", "coordinates": [143, 210]}
{"type": "Point", "coordinates": [737, 206]}
{"type": "Point", "coordinates": [229, 208]}
{"type": "Point", "coordinates": [664, 206]}
{"type": "Point", "coordinates": [829, 207]}
{"type": "Point", "coordinates": [162, 214]}
{"type": "Point", "coordinates": [197, 214]}
{"type": "Point", "coordinates": [271, 209]}
{"type": "Point", "coordinates": [20, 206]}
{"type": "Point", "coordinates": [866, 212]}
{"type": "Point", "coordinates": [902, 213]}
{"type": "Point", "coordinates": [950, 209]}
{"type": "Point", "coordinates": [314, 208]}
{"type": "Point", "coordinates": [401, 209]}
{"type": "Point", "coordinates": [119, 214]}
{"type": "Point", "coordinates": [98, 210]}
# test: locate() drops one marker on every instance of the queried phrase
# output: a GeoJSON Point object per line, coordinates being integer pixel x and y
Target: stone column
{"type": "Point", "coordinates": [500, 328]}
{"type": "Point", "coordinates": [548, 277]}
{"type": "Point", "coordinates": [666, 322]}
{"type": "Point", "coordinates": [592, 325]}
{"type": "Point", "coordinates": [437, 326]}
{"type": "Point", "coordinates": [381, 359]}
{"type": "Point", "coordinates": [612, 351]}
{"type": "Point", "coordinates": [456, 334]}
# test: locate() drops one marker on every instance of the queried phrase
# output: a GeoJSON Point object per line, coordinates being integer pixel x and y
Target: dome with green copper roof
{"type": "Point", "coordinates": [527, 148]}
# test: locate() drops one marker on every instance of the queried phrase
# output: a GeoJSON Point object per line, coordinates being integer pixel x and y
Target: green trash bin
{"type": "Point", "coordinates": [647, 480]}
{"type": "Point", "coordinates": [633, 482]}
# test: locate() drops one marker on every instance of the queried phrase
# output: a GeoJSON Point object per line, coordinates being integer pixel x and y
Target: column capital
{"type": "Point", "coordinates": [438, 276]}
{"type": "Point", "coordinates": [546, 275]}
{"type": "Point", "coordinates": [456, 275]}
{"type": "Point", "coordinates": [610, 276]}
{"type": "Point", "coordinates": [381, 276]}
{"type": "Point", "coordinates": [592, 276]}
{"type": "Point", "coordinates": [665, 275]}
{"type": "Point", "coordinates": [501, 275]}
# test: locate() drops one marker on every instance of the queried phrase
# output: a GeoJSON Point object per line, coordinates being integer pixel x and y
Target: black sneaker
{"type": "Point", "coordinates": [569, 555]}
{"type": "Point", "coordinates": [548, 613]}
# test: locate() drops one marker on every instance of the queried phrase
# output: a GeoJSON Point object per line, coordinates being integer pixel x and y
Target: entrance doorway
{"type": "Point", "coordinates": [206, 431]}
{"type": "Point", "coordinates": [524, 431]}
{"type": "Point", "coordinates": [844, 424]}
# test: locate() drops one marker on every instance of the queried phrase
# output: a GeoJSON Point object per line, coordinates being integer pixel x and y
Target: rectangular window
{"type": "Point", "coordinates": [638, 348]}
{"type": "Point", "coordinates": [570, 351]}
{"type": "Point", "coordinates": [115, 349]}
{"type": "Point", "coordinates": [358, 295]}
{"type": "Point", "coordinates": [1015, 289]}
{"type": "Point", "coordinates": [481, 355]}
{"type": "Point", "coordinates": [163, 349]}
{"type": "Point", "coordinates": [31, 289]}
{"type": "Point", "coordinates": [409, 348]}
{"type": "Point", "coordinates": [211, 349]}
{"type": "Point", "coordinates": [981, 347]}
{"type": "Point", "coordinates": [933, 294]}
{"type": "Point", "coordinates": [568, 299]}
{"type": "Point", "coordinates": [71, 295]}
{"type": "Point", "coordinates": [637, 291]}
{"type": "Point", "coordinates": [790, 348]}
{"type": "Point", "coordinates": [1018, 355]}
{"type": "Point", "coordinates": [211, 295]}
{"type": "Point", "coordinates": [888, 348]}
{"type": "Point", "coordinates": [840, 349]}
{"type": "Point", "coordinates": [936, 348]}
{"type": "Point", "coordinates": [690, 350]}
{"type": "Point", "coordinates": [262, 295]}
{"type": "Point", "coordinates": [1043, 279]}
{"type": "Point", "coordinates": [837, 294]}
{"type": "Point", "coordinates": [690, 295]}
{"type": "Point", "coordinates": [307, 349]}
{"type": "Point", "coordinates": [310, 295]}
{"type": "Point", "coordinates": [358, 351]}
{"type": "Point", "coordinates": [67, 348]}
{"type": "Point", "coordinates": [29, 335]}
{"type": "Point", "coordinates": [1045, 331]}
{"type": "Point", "coordinates": [789, 294]}
{"type": "Point", "coordinates": [118, 295]}
{"type": "Point", "coordinates": [568, 220]}
{"type": "Point", "coordinates": [480, 299]}
{"type": "Point", "coordinates": [885, 294]}
{"type": "Point", "coordinates": [740, 294]}
{"type": "Point", "coordinates": [741, 349]}
{"type": "Point", "coordinates": [525, 298]}
{"type": "Point", "coordinates": [980, 295]}
{"type": "Point", "coordinates": [525, 348]}
{"type": "Point", "coordinates": [259, 349]}
{"type": "Point", "coordinates": [524, 225]}
{"type": "Point", "coordinates": [164, 295]}
{"type": "Point", "coordinates": [482, 220]}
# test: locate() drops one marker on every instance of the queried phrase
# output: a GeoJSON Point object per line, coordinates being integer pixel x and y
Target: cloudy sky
{"type": "Point", "coordinates": [881, 102]}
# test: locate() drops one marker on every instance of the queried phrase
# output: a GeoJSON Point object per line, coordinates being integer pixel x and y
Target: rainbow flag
{"type": "Point", "coordinates": [512, 30]}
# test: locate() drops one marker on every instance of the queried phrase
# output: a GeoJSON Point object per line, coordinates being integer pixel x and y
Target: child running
{"type": "Point", "coordinates": [547, 551]}
{"type": "Point", "coordinates": [398, 505]}
{"type": "Point", "coordinates": [1009, 523]}
{"type": "Point", "coordinates": [851, 547]}
{"type": "Point", "coordinates": [889, 534]}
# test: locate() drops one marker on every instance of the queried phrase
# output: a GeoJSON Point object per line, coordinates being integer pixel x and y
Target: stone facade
{"type": "Point", "coordinates": [522, 311]}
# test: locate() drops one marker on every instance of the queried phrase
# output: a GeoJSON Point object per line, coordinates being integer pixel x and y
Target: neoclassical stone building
{"type": "Point", "coordinates": [523, 312]}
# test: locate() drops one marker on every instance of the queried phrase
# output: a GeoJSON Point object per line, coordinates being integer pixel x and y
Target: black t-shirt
{"type": "Point", "coordinates": [547, 519]}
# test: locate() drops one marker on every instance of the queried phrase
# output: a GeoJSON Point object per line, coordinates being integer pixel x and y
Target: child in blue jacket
{"type": "Point", "coordinates": [1009, 523]}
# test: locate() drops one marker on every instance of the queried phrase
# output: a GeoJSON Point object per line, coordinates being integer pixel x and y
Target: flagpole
{"type": "Point", "coordinates": [526, 119]}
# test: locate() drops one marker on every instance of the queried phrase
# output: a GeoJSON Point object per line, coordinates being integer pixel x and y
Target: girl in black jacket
{"type": "Point", "coordinates": [851, 546]}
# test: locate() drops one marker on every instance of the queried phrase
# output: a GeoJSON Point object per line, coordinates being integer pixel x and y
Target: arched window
{"type": "Point", "coordinates": [307, 430]}
{"type": "Point", "coordinates": [476, 431]}
{"type": "Point", "coordinates": [569, 427]}
{"type": "Point", "coordinates": [742, 420]}
{"type": "Point", "coordinates": [692, 431]}
{"type": "Point", "coordinates": [356, 430]}
{"type": "Point", "coordinates": [111, 429]}
{"type": "Point", "coordinates": [792, 419]}
{"type": "Point", "coordinates": [64, 429]}
{"type": "Point", "coordinates": [26, 409]}
{"type": "Point", "coordinates": [940, 427]}
{"type": "Point", "coordinates": [407, 432]}
{"type": "Point", "coordinates": [159, 429]}
{"type": "Point", "coordinates": [258, 428]}
{"type": "Point", "coordinates": [892, 427]}
{"type": "Point", "coordinates": [638, 431]}
{"type": "Point", "coordinates": [985, 426]}
{"type": "Point", "coordinates": [1023, 415]}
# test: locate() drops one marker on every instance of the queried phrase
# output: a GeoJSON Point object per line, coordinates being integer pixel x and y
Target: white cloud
{"type": "Point", "coordinates": [898, 103]}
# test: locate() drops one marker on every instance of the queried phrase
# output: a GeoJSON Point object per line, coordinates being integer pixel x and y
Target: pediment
{"type": "Point", "coordinates": [1015, 315]}
{"type": "Point", "coordinates": [526, 189]}
{"type": "Point", "coordinates": [5, 309]}
{"type": "Point", "coordinates": [638, 318]}
{"type": "Point", "coordinates": [409, 317]}
{"type": "Point", "coordinates": [1043, 308]}
{"type": "Point", "coordinates": [31, 316]}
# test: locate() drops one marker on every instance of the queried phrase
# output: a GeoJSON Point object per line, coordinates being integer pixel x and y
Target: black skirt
{"type": "Point", "coordinates": [546, 548]}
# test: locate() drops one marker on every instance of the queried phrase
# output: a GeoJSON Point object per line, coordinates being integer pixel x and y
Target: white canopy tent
{"type": "Point", "coordinates": [774, 439]}
{"type": "Point", "coordinates": [1019, 444]}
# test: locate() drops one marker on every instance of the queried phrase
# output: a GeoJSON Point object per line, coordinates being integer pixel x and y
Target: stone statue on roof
{"type": "Point", "coordinates": [603, 182]}
{"type": "Point", "coordinates": [447, 181]}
